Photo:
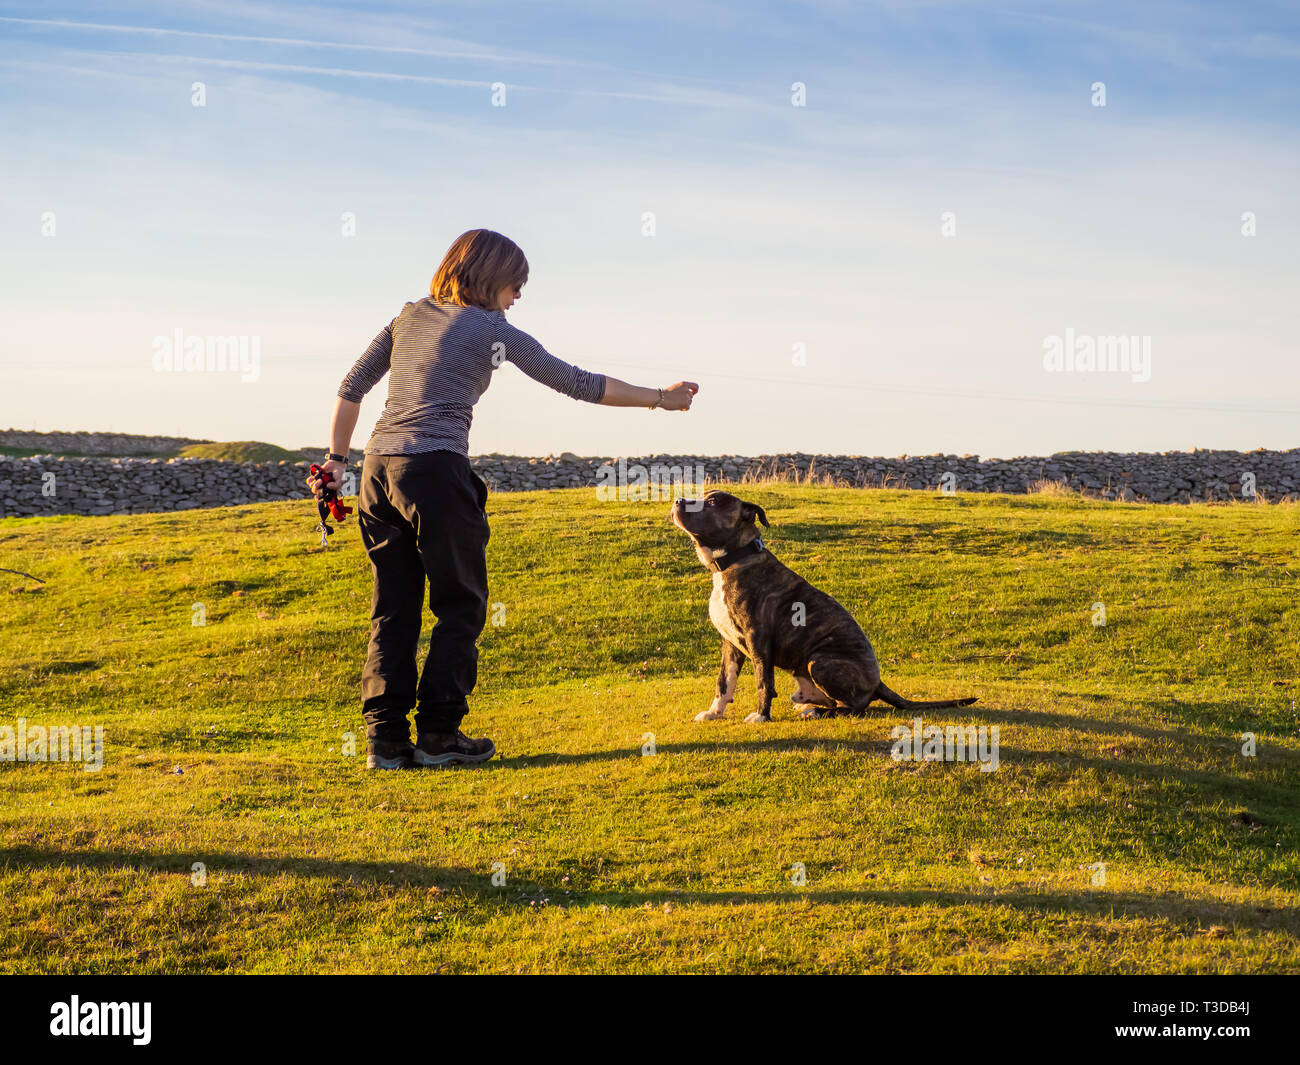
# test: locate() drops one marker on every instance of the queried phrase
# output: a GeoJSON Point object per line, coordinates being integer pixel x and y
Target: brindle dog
{"type": "Point", "coordinates": [767, 612]}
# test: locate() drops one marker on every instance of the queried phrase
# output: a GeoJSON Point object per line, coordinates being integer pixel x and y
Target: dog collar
{"type": "Point", "coordinates": [752, 548]}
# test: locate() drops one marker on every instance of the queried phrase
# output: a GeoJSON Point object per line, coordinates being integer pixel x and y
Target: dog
{"type": "Point", "coordinates": [768, 613]}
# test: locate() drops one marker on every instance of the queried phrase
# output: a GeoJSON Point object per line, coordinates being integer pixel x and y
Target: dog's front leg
{"type": "Point", "coordinates": [765, 675]}
{"type": "Point", "coordinates": [732, 659]}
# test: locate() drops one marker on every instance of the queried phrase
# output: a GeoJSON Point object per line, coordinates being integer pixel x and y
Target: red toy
{"type": "Point", "coordinates": [328, 505]}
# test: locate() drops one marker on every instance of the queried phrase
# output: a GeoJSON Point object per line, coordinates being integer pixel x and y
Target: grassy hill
{"type": "Point", "coordinates": [240, 451]}
{"type": "Point", "coordinates": [1119, 745]}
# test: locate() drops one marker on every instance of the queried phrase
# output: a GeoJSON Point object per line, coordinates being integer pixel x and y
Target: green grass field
{"type": "Point", "coordinates": [1120, 745]}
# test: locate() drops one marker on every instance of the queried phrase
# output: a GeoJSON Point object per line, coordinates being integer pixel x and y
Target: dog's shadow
{"type": "Point", "coordinates": [880, 745]}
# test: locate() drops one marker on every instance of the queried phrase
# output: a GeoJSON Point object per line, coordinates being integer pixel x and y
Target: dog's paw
{"type": "Point", "coordinates": [809, 713]}
{"type": "Point", "coordinates": [757, 719]}
{"type": "Point", "coordinates": [711, 714]}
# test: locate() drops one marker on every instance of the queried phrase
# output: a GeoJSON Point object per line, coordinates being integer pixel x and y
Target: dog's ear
{"type": "Point", "coordinates": [748, 511]}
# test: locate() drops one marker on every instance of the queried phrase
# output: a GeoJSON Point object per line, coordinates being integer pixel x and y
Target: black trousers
{"type": "Point", "coordinates": [422, 518]}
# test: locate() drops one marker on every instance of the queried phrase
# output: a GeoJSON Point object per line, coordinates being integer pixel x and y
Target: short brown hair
{"type": "Point", "coordinates": [478, 265]}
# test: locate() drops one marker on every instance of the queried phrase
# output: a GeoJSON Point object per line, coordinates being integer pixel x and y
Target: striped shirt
{"type": "Point", "coordinates": [442, 356]}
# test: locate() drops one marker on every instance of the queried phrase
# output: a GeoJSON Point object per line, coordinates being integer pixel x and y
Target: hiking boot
{"type": "Point", "coordinates": [389, 754]}
{"type": "Point", "coordinates": [439, 749]}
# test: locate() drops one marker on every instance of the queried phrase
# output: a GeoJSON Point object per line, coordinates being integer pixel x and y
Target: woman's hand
{"type": "Point", "coordinates": [333, 472]}
{"type": "Point", "coordinates": [679, 396]}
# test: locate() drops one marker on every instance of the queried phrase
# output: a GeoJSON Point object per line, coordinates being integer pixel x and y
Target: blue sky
{"type": "Point", "coordinates": [777, 228]}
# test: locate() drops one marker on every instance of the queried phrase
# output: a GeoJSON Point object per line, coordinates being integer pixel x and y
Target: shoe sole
{"type": "Point", "coordinates": [445, 761]}
{"type": "Point", "coordinates": [375, 762]}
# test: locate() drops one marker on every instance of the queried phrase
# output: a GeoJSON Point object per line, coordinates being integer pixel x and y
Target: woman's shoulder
{"type": "Point", "coordinates": [427, 306]}
{"type": "Point", "coordinates": [426, 316]}
{"type": "Point", "coordinates": [428, 303]}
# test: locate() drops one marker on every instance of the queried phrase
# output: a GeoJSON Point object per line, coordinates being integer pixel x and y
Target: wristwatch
{"type": "Point", "coordinates": [331, 457]}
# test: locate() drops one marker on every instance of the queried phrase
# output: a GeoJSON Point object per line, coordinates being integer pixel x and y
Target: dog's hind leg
{"type": "Point", "coordinates": [732, 659]}
{"type": "Point", "coordinates": [849, 683]}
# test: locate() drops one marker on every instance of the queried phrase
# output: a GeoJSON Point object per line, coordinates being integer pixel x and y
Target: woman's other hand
{"type": "Point", "coordinates": [333, 477]}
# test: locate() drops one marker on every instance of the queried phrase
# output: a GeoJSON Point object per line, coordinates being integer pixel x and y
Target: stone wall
{"type": "Point", "coordinates": [49, 485]}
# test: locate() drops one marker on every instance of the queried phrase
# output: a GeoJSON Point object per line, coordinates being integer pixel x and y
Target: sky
{"type": "Point", "coordinates": [860, 227]}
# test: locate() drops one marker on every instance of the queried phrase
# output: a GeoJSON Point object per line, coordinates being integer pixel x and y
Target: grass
{"type": "Point", "coordinates": [1119, 744]}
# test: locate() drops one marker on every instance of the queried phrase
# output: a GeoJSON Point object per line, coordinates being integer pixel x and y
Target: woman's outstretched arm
{"type": "Point", "coordinates": [621, 394]}
{"type": "Point", "coordinates": [539, 364]}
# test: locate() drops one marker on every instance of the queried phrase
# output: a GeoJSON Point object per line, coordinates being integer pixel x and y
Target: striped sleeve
{"type": "Point", "coordinates": [368, 369]}
{"type": "Point", "coordinates": [545, 368]}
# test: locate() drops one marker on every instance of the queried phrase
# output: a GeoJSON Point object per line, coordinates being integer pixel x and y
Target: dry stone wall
{"type": "Point", "coordinates": [50, 485]}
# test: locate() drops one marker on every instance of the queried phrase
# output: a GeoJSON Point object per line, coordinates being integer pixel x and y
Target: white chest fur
{"type": "Point", "coordinates": [721, 617]}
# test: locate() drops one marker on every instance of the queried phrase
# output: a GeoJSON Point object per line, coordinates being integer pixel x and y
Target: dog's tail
{"type": "Point", "coordinates": [895, 700]}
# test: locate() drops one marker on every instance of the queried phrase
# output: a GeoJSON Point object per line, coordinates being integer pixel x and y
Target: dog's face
{"type": "Point", "coordinates": [720, 521]}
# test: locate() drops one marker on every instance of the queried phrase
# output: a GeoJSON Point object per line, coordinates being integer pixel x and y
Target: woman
{"type": "Point", "coordinates": [421, 508]}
